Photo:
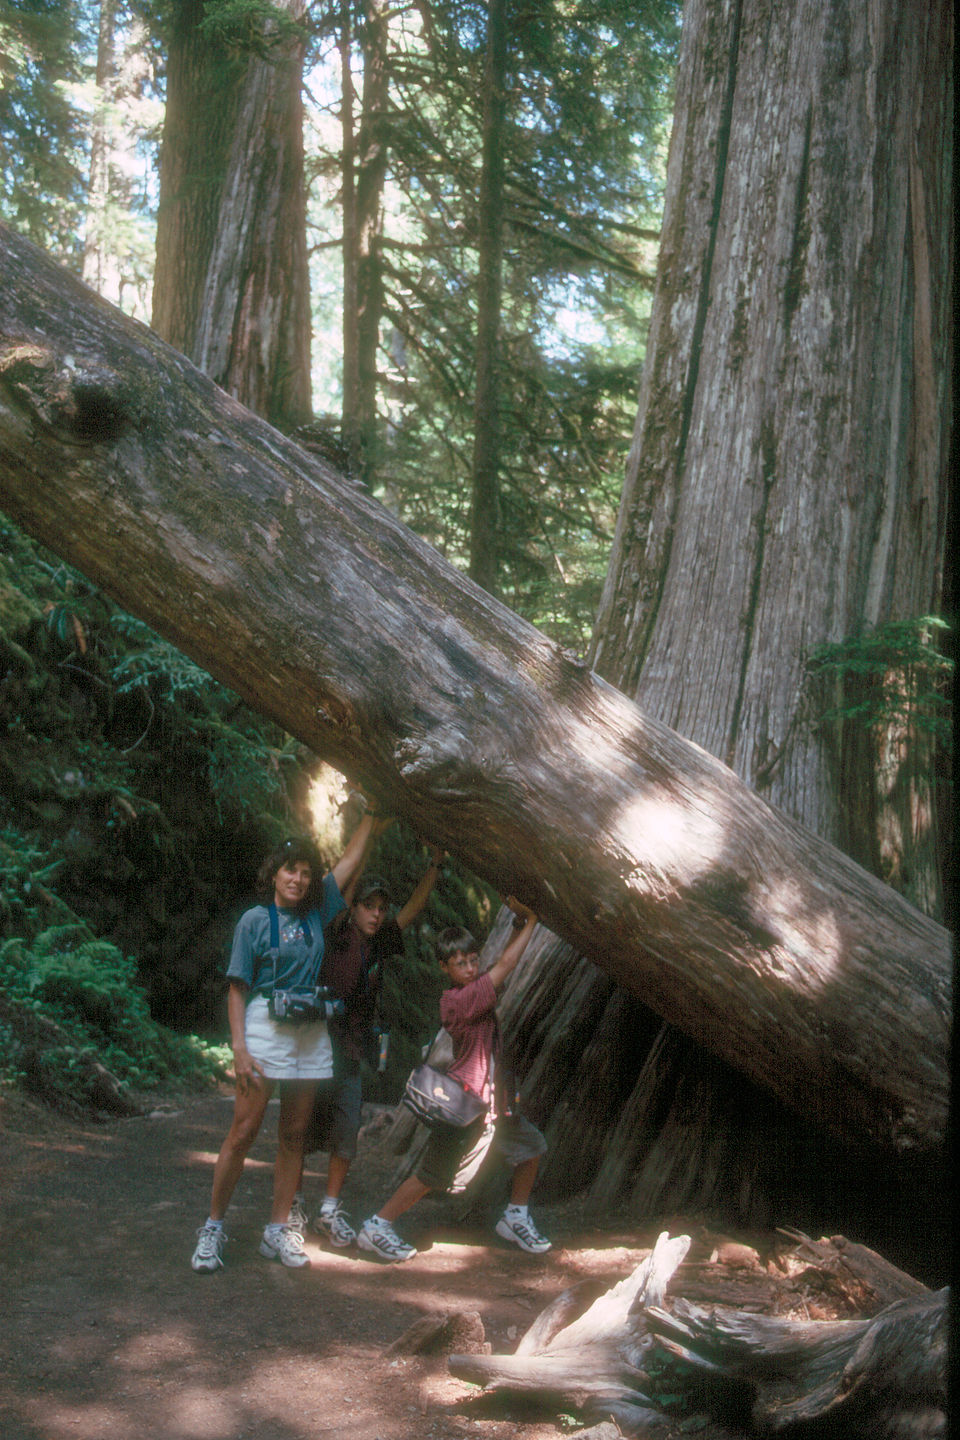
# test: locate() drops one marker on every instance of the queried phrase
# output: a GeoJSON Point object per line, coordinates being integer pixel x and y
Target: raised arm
{"type": "Point", "coordinates": [523, 925]}
{"type": "Point", "coordinates": [418, 897]}
{"type": "Point", "coordinates": [348, 866]}
{"type": "Point", "coordinates": [378, 823]}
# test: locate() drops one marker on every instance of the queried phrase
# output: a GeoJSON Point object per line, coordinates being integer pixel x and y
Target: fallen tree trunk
{"type": "Point", "coordinates": [635, 1355]}
{"type": "Point", "coordinates": [766, 945]}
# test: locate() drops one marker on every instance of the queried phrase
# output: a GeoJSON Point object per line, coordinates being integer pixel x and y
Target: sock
{"type": "Point", "coordinates": [516, 1212]}
{"type": "Point", "coordinates": [330, 1203]}
{"type": "Point", "coordinates": [298, 1198]}
{"type": "Point", "coordinates": [273, 1227]}
{"type": "Point", "coordinates": [214, 1224]}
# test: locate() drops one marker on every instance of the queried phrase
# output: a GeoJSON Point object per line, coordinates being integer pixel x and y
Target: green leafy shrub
{"type": "Point", "coordinates": [87, 988]}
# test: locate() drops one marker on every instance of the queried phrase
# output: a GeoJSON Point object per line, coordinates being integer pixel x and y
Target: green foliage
{"type": "Point", "coordinates": [89, 990]}
{"type": "Point", "coordinates": [251, 26]}
{"type": "Point", "coordinates": [588, 102]}
{"type": "Point", "coordinates": [143, 792]}
{"type": "Point", "coordinates": [41, 127]}
{"type": "Point", "coordinates": [894, 674]}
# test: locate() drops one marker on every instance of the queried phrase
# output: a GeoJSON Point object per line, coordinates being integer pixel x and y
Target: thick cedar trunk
{"type": "Point", "coordinates": [765, 944]}
{"type": "Point", "coordinates": [231, 288]}
{"type": "Point", "coordinates": [485, 499]}
{"type": "Point", "coordinates": [785, 488]}
{"type": "Point", "coordinates": [787, 481]}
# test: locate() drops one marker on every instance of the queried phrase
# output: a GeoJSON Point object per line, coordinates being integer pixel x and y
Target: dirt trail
{"type": "Point", "coordinates": [109, 1335]}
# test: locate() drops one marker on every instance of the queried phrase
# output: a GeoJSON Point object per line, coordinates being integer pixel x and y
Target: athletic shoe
{"type": "Point", "coordinates": [334, 1225]}
{"type": "Point", "coordinates": [522, 1231]}
{"type": "Point", "coordinates": [381, 1238]}
{"type": "Point", "coordinates": [299, 1218]}
{"type": "Point", "coordinates": [207, 1255]}
{"type": "Point", "coordinates": [285, 1245]}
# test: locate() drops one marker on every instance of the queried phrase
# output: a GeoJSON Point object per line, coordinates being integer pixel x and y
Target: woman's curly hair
{"type": "Point", "coordinates": [291, 852]}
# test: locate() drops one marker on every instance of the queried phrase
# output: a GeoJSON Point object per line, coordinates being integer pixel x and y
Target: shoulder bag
{"type": "Point", "coordinates": [437, 1099]}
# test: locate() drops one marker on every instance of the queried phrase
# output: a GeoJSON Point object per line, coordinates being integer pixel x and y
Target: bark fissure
{"type": "Point", "coordinates": [768, 479]}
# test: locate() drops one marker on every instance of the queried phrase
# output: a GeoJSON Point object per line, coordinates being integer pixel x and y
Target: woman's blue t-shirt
{"type": "Point", "coordinates": [298, 963]}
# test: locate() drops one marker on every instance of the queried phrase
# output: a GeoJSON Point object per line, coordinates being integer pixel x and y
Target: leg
{"type": "Point", "coordinates": [524, 1178]}
{"type": "Point", "coordinates": [248, 1110]}
{"type": "Point", "coordinates": [406, 1194]}
{"type": "Point", "coordinates": [338, 1167]}
{"type": "Point", "coordinates": [296, 1107]}
{"type": "Point", "coordinates": [521, 1145]}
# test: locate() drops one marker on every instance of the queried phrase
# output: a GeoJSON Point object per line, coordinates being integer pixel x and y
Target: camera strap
{"type": "Point", "coordinates": [275, 938]}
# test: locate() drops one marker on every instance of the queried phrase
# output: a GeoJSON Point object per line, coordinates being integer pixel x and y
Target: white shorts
{"type": "Point", "coordinates": [287, 1052]}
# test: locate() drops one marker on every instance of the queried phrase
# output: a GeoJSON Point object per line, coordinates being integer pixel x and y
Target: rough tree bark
{"type": "Point", "coordinates": [787, 481]}
{"type": "Point", "coordinates": [786, 487]}
{"type": "Point", "coordinates": [766, 945]}
{"type": "Point", "coordinates": [231, 288]}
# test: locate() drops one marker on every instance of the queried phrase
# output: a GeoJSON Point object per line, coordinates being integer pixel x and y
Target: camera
{"type": "Point", "coordinates": [305, 1007]}
{"type": "Point", "coordinates": [330, 1005]}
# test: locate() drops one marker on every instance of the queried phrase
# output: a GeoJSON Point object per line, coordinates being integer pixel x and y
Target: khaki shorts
{"type": "Point", "coordinates": [287, 1052]}
{"type": "Point", "coordinates": [453, 1156]}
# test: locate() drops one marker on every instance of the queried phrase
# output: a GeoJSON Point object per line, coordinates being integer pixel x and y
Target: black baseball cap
{"type": "Point", "coordinates": [369, 885]}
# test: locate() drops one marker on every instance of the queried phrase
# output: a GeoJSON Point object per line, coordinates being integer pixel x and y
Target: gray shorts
{"type": "Point", "coordinates": [453, 1156]}
{"type": "Point", "coordinates": [335, 1121]}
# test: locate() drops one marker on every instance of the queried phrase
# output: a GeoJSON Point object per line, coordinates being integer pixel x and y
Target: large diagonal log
{"type": "Point", "coordinates": [766, 945]}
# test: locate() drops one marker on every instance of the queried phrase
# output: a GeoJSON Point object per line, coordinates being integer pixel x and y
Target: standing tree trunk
{"type": "Point", "coordinates": [231, 288]}
{"type": "Point", "coordinates": [364, 171]}
{"type": "Point", "coordinates": [371, 175]}
{"type": "Point", "coordinates": [351, 423]}
{"type": "Point", "coordinates": [485, 505]}
{"type": "Point", "coordinates": [787, 481]}
{"type": "Point", "coordinates": [768, 945]}
{"type": "Point", "coordinates": [98, 271]}
{"type": "Point", "coordinates": [785, 488]}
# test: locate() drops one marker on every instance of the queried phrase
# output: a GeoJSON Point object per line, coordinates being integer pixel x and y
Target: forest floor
{"type": "Point", "coordinates": [108, 1334]}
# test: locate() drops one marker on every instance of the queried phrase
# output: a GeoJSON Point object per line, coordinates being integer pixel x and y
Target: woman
{"type": "Point", "coordinates": [277, 946]}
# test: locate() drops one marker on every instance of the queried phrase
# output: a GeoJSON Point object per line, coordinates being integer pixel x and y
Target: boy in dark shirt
{"type": "Point", "coordinates": [468, 1013]}
{"type": "Point", "coordinates": [358, 943]}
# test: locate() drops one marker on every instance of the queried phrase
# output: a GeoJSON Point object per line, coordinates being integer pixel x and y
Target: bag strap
{"type": "Point", "coordinates": [275, 937]}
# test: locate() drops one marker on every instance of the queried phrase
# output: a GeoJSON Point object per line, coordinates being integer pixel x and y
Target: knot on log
{"type": "Point", "coordinates": [456, 765]}
{"type": "Point", "coordinates": [80, 405]}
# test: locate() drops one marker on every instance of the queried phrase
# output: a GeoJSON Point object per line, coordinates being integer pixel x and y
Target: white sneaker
{"type": "Point", "coordinates": [334, 1225]}
{"type": "Point", "coordinates": [285, 1245]}
{"type": "Point", "coordinates": [210, 1241]}
{"type": "Point", "coordinates": [522, 1232]}
{"type": "Point", "coordinates": [299, 1218]}
{"type": "Point", "coordinates": [380, 1237]}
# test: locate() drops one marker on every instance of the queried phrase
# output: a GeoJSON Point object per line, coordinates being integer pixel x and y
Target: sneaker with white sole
{"type": "Point", "coordinates": [285, 1245]}
{"type": "Point", "coordinates": [381, 1239]}
{"type": "Point", "coordinates": [299, 1218]}
{"type": "Point", "coordinates": [210, 1241]}
{"type": "Point", "coordinates": [335, 1227]}
{"type": "Point", "coordinates": [522, 1231]}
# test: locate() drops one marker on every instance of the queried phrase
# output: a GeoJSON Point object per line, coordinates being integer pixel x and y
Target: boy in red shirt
{"type": "Point", "coordinates": [468, 1014]}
